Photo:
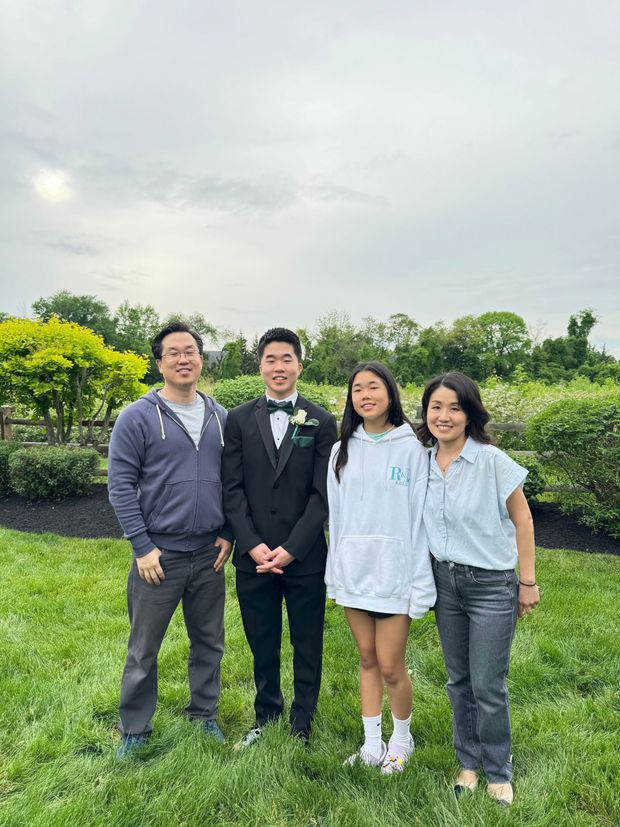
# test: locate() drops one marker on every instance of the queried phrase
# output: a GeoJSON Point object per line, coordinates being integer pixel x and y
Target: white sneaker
{"type": "Point", "coordinates": [366, 757]}
{"type": "Point", "coordinates": [250, 737]}
{"type": "Point", "coordinates": [396, 757]}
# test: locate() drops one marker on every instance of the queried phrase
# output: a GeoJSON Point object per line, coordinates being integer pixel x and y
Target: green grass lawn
{"type": "Point", "coordinates": [63, 636]}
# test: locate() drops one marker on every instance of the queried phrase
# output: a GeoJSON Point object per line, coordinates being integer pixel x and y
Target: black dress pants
{"type": "Point", "coordinates": [260, 599]}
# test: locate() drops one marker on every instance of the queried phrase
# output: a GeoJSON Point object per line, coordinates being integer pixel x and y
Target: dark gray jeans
{"type": "Point", "coordinates": [476, 614]}
{"type": "Point", "coordinates": [192, 580]}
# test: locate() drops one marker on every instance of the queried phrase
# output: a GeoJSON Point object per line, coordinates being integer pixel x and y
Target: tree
{"type": "Point", "coordinates": [426, 358]}
{"type": "Point", "coordinates": [505, 340]}
{"type": "Point", "coordinates": [65, 374]}
{"type": "Point", "coordinates": [336, 349]}
{"type": "Point", "coordinates": [85, 310]}
{"type": "Point", "coordinates": [197, 322]}
{"type": "Point", "coordinates": [402, 335]}
{"type": "Point", "coordinates": [564, 357]}
{"type": "Point", "coordinates": [134, 327]}
{"type": "Point", "coordinates": [249, 364]}
{"type": "Point", "coordinates": [463, 348]}
{"type": "Point", "coordinates": [580, 324]}
{"type": "Point", "coordinates": [237, 359]}
{"type": "Point", "coordinates": [374, 341]}
{"type": "Point", "coordinates": [232, 359]}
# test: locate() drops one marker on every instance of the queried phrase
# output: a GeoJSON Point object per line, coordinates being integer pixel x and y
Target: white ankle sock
{"type": "Point", "coordinates": [401, 734]}
{"type": "Point", "coordinates": [372, 734]}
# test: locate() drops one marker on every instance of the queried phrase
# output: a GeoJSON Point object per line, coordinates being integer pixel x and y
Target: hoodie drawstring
{"type": "Point", "coordinates": [387, 461]}
{"type": "Point", "coordinates": [219, 425]}
{"type": "Point", "coordinates": [161, 422]}
{"type": "Point", "coordinates": [365, 439]}
{"type": "Point", "coordinates": [362, 474]}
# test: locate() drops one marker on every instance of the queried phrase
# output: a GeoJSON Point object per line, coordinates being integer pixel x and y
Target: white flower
{"type": "Point", "coordinates": [299, 417]}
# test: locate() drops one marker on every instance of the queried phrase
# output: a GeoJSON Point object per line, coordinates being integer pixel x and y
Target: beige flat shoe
{"type": "Point", "coordinates": [466, 781]}
{"type": "Point", "coordinates": [502, 793]}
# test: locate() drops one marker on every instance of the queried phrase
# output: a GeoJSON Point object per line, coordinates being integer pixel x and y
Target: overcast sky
{"type": "Point", "coordinates": [267, 162]}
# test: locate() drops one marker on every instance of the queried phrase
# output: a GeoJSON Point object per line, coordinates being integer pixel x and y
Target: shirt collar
{"type": "Point", "coordinates": [292, 398]}
{"type": "Point", "coordinates": [469, 451]}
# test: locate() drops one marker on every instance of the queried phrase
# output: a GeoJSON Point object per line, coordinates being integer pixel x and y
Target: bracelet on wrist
{"type": "Point", "coordinates": [521, 583]}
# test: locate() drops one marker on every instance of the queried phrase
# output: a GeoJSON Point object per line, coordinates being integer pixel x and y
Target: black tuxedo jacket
{"type": "Point", "coordinates": [278, 498]}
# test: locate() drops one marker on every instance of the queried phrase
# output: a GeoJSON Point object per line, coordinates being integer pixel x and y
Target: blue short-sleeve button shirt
{"type": "Point", "coordinates": [465, 514]}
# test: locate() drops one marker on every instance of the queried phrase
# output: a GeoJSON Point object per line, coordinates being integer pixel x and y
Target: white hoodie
{"type": "Point", "coordinates": [378, 556]}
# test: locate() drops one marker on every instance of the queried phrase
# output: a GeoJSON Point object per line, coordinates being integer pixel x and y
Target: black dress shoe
{"type": "Point", "coordinates": [302, 734]}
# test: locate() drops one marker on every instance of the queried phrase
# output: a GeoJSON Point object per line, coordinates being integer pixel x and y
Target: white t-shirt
{"type": "Point", "coordinates": [191, 414]}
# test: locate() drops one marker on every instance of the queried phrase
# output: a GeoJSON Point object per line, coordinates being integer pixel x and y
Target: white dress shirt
{"type": "Point", "coordinates": [279, 419]}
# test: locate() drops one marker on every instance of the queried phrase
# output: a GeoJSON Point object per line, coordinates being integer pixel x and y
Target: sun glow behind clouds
{"type": "Point", "coordinates": [52, 185]}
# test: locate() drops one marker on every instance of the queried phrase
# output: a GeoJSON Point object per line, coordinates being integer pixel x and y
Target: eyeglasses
{"type": "Point", "coordinates": [174, 355]}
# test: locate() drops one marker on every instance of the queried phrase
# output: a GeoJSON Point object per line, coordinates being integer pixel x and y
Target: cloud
{"type": "Point", "coordinates": [180, 190]}
{"type": "Point", "coordinates": [71, 247]}
{"type": "Point", "coordinates": [332, 193]}
{"type": "Point", "coordinates": [115, 279]}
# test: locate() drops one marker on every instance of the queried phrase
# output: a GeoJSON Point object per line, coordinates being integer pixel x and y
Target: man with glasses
{"type": "Point", "coordinates": [164, 478]}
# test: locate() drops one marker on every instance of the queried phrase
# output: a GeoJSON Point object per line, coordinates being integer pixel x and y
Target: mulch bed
{"type": "Point", "coordinates": [93, 517]}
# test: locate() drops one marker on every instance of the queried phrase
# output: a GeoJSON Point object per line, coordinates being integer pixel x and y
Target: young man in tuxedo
{"type": "Point", "coordinates": [274, 480]}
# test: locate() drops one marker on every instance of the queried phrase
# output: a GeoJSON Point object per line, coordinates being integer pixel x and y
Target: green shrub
{"type": "Point", "coordinates": [535, 481]}
{"type": "Point", "coordinates": [52, 473]}
{"type": "Point", "coordinates": [580, 439]}
{"type": "Point", "coordinates": [29, 433]}
{"type": "Point", "coordinates": [6, 449]}
{"type": "Point", "coordinates": [233, 392]}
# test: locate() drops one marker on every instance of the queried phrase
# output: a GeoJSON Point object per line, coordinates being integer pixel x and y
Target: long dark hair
{"type": "Point", "coordinates": [351, 420]}
{"type": "Point", "coordinates": [468, 394]}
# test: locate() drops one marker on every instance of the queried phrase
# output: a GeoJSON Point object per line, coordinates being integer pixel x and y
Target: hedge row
{"type": "Point", "coordinates": [233, 392]}
{"type": "Point", "coordinates": [580, 442]}
{"type": "Point", "coordinates": [46, 473]}
{"type": "Point", "coordinates": [578, 439]}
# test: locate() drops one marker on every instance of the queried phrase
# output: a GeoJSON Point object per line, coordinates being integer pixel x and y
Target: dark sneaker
{"type": "Point", "coordinates": [250, 737]}
{"type": "Point", "coordinates": [212, 730]}
{"type": "Point", "coordinates": [130, 745]}
{"type": "Point", "coordinates": [302, 735]}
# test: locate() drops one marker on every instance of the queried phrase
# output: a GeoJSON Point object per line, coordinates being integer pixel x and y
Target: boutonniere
{"type": "Point", "coordinates": [299, 418]}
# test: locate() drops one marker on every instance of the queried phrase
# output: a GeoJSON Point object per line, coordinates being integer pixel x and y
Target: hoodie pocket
{"type": "Point", "coordinates": [373, 565]}
{"type": "Point", "coordinates": [177, 511]}
{"type": "Point", "coordinates": [175, 508]}
{"type": "Point", "coordinates": [210, 513]}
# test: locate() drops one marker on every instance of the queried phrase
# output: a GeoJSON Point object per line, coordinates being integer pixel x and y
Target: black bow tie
{"type": "Point", "coordinates": [273, 406]}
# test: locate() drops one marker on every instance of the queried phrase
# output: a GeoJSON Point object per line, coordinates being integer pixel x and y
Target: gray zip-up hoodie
{"type": "Point", "coordinates": [166, 492]}
{"type": "Point", "coordinates": [378, 556]}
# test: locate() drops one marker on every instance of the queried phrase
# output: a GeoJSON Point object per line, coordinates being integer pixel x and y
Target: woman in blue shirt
{"type": "Point", "coordinates": [479, 527]}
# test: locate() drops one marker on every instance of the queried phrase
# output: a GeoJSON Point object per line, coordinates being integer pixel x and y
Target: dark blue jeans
{"type": "Point", "coordinates": [192, 581]}
{"type": "Point", "coordinates": [476, 614]}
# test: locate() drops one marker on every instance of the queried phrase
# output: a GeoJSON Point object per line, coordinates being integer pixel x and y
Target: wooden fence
{"type": "Point", "coordinates": [7, 421]}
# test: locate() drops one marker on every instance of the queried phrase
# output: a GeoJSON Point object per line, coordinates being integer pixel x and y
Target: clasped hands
{"type": "Point", "coordinates": [270, 560]}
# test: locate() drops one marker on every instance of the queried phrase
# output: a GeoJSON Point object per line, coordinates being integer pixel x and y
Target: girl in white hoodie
{"type": "Point", "coordinates": [378, 564]}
